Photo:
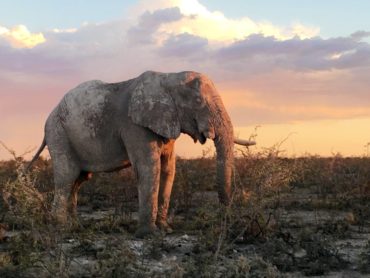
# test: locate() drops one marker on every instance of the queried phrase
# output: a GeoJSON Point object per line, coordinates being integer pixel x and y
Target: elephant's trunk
{"type": "Point", "coordinates": [224, 143]}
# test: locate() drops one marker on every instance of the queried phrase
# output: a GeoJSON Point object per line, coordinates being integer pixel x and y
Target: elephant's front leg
{"type": "Point", "coordinates": [168, 166]}
{"type": "Point", "coordinates": [148, 173]}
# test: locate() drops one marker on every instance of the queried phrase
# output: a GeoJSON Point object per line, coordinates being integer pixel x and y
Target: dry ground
{"type": "Point", "coordinates": [299, 217]}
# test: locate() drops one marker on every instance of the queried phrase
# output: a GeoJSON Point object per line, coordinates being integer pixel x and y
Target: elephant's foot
{"type": "Point", "coordinates": [59, 214]}
{"type": "Point", "coordinates": [164, 226]}
{"type": "Point", "coordinates": [59, 209]}
{"type": "Point", "coordinates": [72, 212]}
{"type": "Point", "coordinates": [64, 218]}
{"type": "Point", "coordinates": [146, 231]}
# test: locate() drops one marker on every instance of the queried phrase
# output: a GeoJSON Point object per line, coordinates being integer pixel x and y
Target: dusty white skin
{"type": "Point", "coordinates": [100, 127]}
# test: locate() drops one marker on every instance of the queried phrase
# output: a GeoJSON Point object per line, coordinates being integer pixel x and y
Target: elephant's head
{"type": "Point", "coordinates": [186, 102]}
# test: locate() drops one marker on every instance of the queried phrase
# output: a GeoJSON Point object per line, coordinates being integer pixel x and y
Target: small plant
{"type": "Point", "coordinates": [20, 197]}
{"type": "Point", "coordinates": [192, 175]}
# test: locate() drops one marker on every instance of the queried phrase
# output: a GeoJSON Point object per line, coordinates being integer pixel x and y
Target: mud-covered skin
{"type": "Point", "coordinates": [100, 127]}
{"type": "Point", "coordinates": [92, 124]}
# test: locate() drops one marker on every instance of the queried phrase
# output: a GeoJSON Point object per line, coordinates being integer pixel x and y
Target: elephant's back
{"type": "Point", "coordinates": [88, 96]}
{"type": "Point", "coordinates": [87, 116]}
{"type": "Point", "coordinates": [86, 109]}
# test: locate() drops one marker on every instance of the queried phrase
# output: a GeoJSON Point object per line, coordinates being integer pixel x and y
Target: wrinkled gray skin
{"type": "Point", "coordinates": [101, 127]}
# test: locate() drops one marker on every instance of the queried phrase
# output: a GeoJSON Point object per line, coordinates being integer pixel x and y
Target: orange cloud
{"type": "Point", "coordinates": [323, 137]}
{"type": "Point", "coordinates": [20, 37]}
{"type": "Point", "coordinates": [324, 111]}
{"type": "Point", "coordinates": [248, 100]}
{"type": "Point", "coordinates": [216, 27]}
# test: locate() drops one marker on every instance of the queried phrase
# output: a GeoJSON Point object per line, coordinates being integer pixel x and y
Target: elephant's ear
{"type": "Point", "coordinates": [152, 107]}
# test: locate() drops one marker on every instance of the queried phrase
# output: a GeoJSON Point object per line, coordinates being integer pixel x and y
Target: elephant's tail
{"type": "Point", "coordinates": [36, 156]}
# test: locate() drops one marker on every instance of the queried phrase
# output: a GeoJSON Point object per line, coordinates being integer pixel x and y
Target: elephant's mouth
{"type": "Point", "coordinates": [199, 137]}
{"type": "Point", "coordinates": [202, 138]}
{"type": "Point", "coordinates": [202, 134]}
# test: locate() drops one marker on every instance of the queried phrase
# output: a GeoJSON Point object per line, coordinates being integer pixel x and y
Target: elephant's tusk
{"type": "Point", "coordinates": [244, 142]}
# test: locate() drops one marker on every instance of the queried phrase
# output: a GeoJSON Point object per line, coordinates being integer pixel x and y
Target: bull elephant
{"type": "Point", "coordinates": [102, 127]}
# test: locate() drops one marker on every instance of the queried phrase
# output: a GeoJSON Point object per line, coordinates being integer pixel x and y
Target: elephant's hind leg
{"type": "Point", "coordinates": [168, 166]}
{"type": "Point", "coordinates": [84, 176]}
{"type": "Point", "coordinates": [66, 171]}
{"type": "Point", "coordinates": [65, 175]}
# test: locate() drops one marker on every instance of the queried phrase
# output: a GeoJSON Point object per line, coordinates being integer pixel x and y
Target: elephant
{"type": "Point", "coordinates": [104, 127]}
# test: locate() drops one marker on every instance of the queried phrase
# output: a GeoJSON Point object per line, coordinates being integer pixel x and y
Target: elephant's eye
{"type": "Point", "coordinates": [198, 100]}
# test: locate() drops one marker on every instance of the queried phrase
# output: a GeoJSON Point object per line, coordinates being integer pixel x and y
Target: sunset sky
{"type": "Point", "coordinates": [297, 69]}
